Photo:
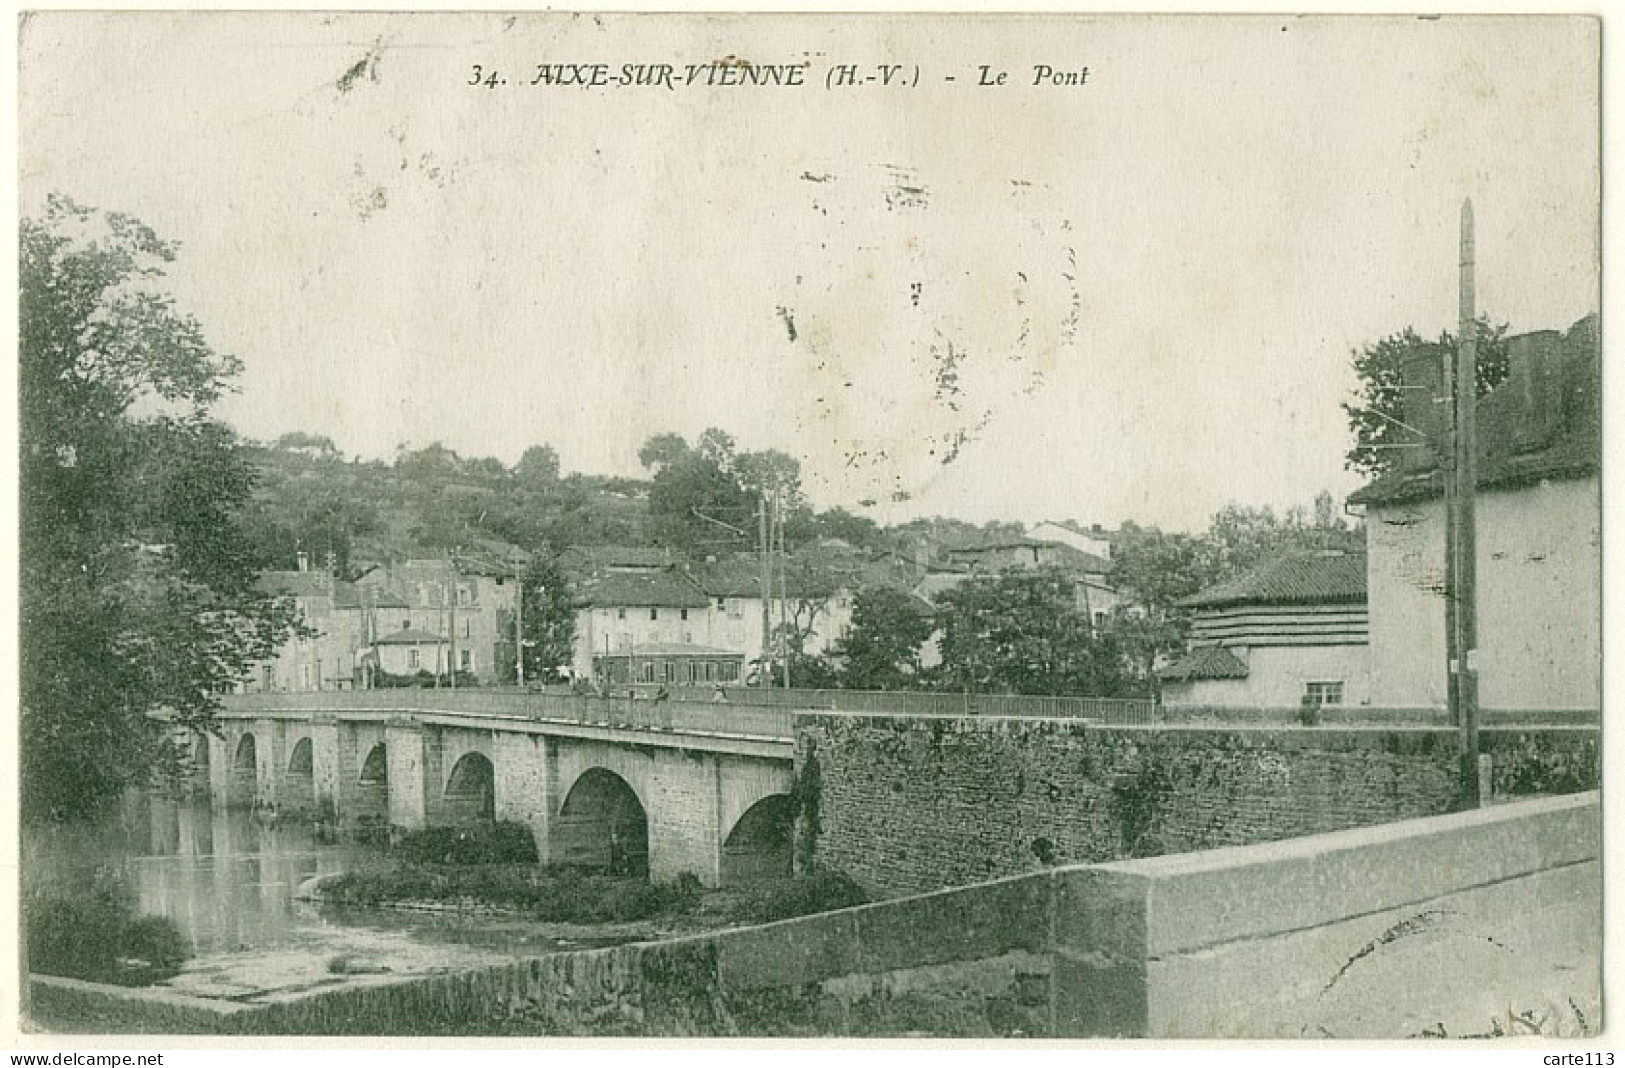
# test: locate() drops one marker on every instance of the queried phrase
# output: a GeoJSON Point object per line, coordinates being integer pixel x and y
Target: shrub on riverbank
{"type": "Point", "coordinates": [557, 895]}
{"type": "Point", "coordinates": [819, 890]}
{"type": "Point", "coordinates": [504, 842]}
{"type": "Point", "coordinates": [95, 934]}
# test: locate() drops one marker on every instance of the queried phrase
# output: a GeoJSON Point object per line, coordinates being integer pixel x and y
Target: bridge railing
{"type": "Point", "coordinates": [687, 707]}
{"type": "Point", "coordinates": [928, 703]}
{"type": "Point", "coordinates": [693, 717]}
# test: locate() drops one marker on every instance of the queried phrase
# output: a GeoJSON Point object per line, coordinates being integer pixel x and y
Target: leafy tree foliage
{"type": "Point", "coordinates": [1023, 632]}
{"type": "Point", "coordinates": [1156, 570]}
{"type": "Point", "coordinates": [137, 587]}
{"type": "Point", "coordinates": [882, 652]}
{"type": "Point", "coordinates": [706, 497]}
{"type": "Point", "coordinates": [548, 620]}
{"type": "Point", "coordinates": [1377, 414]}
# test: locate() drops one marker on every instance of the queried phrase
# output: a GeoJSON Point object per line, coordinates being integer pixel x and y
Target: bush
{"type": "Point", "coordinates": [481, 843]}
{"type": "Point", "coordinates": [818, 890]}
{"type": "Point", "coordinates": [95, 934]}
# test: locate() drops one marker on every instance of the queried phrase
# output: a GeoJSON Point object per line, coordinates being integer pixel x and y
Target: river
{"type": "Point", "coordinates": [229, 883]}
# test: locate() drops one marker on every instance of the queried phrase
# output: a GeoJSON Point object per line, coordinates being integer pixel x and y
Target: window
{"type": "Point", "coordinates": [465, 659]}
{"type": "Point", "coordinates": [736, 609]}
{"type": "Point", "coordinates": [464, 595]}
{"type": "Point", "coordinates": [654, 614]}
{"type": "Point", "coordinates": [648, 672]}
{"type": "Point", "coordinates": [671, 671]}
{"type": "Point", "coordinates": [722, 602]}
{"type": "Point", "coordinates": [467, 626]}
{"type": "Point", "coordinates": [304, 676]}
{"type": "Point", "coordinates": [406, 624]}
{"type": "Point", "coordinates": [1100, 620]}
{"type": "Point", "coordinates": [412, 658]}
{"type": "Point", "coordinates": [728, 671]}
{"type": "Point", "coordinates": [1324, 693]}
{"type": "Point", "coordinates": [620, 613]}
{"type": "Point", "coordinates": [683, 615]}
{"type": "Point", "coordinates": [710, 671]}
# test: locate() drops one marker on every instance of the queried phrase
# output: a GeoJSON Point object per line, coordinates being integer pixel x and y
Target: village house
{"type": "Point", "coordinates": [1090, 573]}
{"type": "Point", "coordinates": [438, 613]}
{"type": "Point", "coordinates": [1538, 530]}
{"type": "Point", "coordinates": [623, 609]}
{"type": "Point", "coordinates": [1290, 631]}
{"type": "Point", "coordinates": [335, 655]}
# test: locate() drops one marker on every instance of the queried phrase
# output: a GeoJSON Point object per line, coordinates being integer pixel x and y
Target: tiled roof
{"type": "Point", "coordinates": [408, 636]}
{"type": "Point", "coordinates": [1296, 578]}
{"type": "Point", "coordinates": [1207, 662]}
{"type": "Point", "coordinates": [311, 584]}
{"type": "Point", "coordinates": [655, 589]}
{"type": "Point", "coordinates": [589, 558]}
{"type": "Point", "coordinates": [799, 575]}
{"type": "Point", "coordinates": [1063, 555]}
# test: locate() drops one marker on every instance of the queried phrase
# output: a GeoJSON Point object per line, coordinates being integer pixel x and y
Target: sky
{"type": "Point", "coordinates": [1130, 298]}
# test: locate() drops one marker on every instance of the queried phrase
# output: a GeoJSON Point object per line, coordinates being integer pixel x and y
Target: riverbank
{"type": "Point", "coordinates": [580, 900]}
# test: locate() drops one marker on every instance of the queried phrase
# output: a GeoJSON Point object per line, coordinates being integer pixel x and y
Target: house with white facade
{"type": "Point", "coordinates": [466, 602]}
{"type": "Point", "coordinates": [1538, 533]}
{"type": "Point", "coordinates": [1294, 628]}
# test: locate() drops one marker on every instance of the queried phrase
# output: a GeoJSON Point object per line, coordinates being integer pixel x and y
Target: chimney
{"type": "Point", "coordinates": [1425, 402]}
{"type": "Point", "coordinates": [1534, 389]}
{"type": "Point", "coordinates": [304, 560]}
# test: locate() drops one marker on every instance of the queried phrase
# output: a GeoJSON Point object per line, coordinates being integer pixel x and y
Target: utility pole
{"type": "Point", "coordinates": [519, 624]}
{"type": "Point", "coordinates": [1461, 571]}
{"type": "Point", "coordinates": [784, 585]}
{"type": "Point", "coordinates": [765, 672]}
{"type": "Point", "coordinates": [451, 613]}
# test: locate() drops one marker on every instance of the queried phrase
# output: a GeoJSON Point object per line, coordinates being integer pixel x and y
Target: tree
{"type": "Point", "coordinates": [1023, 632]}
{"type": "Point", "coordinates": [882, 651]}
{"type": "Point", "coordinates": [538, 468]}
{"type": "Point", "coordinates": [696, 496]}
{"type": "Point", "coordinates": [548, 621]}
{"type": "Point", "coordinates": [1155, 571]}
{"type": "Point", "coordinates": [137, 589]}
{"type": "Point", "coordinates": [1377, 414]}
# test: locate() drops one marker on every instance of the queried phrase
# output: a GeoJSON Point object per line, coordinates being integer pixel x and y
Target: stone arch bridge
{"type": "Point", "coordinates": [636, 787]}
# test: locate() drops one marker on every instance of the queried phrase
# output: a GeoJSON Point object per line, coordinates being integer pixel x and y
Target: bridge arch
{"type": "Point", "coordinates": [244, 772]}
{"type": "Point", "coordinates": [369, 803]}
{"type": "Point", "coordinates": [470, 794]}
{"type": "Point", "coordinates": [299, 783]}
{"type": "Point", "coordinates": [199, 778]}
{"type": "Point", "coordinates": [758, 847]}
{"type": "Point", "coordinates": [375, 768]}
{"type": "Point", "coordinates": [602, 824]}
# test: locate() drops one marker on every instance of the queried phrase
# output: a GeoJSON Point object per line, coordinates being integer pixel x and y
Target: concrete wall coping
{"type": "Point", "coordinates": [1198, 900]}
{"type": "Point", "coordinates": [141, 994]}
{"type": "Point", "coordinates": [1200, 726]}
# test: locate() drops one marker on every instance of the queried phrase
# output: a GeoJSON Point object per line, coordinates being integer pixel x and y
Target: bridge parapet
{"type": "Point", "coordinates": [726, 719]}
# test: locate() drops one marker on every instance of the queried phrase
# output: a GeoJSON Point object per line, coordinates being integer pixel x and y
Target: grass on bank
{"type": "Point", "coordinates": [494, 866]}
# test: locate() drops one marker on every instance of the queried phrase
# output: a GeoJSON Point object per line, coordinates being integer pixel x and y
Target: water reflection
{"type": "Point", "coordinates": [228, 882]}
{"type": "Point", "coordinates": [224, 878]}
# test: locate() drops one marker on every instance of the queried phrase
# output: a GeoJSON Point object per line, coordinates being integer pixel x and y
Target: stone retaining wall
{"type": "Point", "coordinates": [908, 805]}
